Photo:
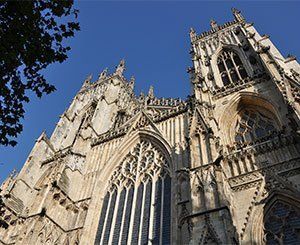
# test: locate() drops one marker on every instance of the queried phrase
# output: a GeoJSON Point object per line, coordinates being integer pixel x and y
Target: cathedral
{"type": "Point", "coordinates": [220, 167]}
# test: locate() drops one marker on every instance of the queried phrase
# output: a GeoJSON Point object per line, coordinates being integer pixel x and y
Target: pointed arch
{"type": "Point", "coordinates": [241, 101]}
{"type": "Point", "coordinates": [280, 207]}
{"type": "Point", "coordinates": [155, 138]}
{"type": "Point", "coordinates": [282, 220]}
{"type": "Point", "coordinates": [223, 47]}
{"type": "Point", "coordinates": [143, 161]}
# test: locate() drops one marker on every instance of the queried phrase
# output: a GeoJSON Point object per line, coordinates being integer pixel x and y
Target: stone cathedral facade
{"type": "Point", "coordinates": [221, 167]}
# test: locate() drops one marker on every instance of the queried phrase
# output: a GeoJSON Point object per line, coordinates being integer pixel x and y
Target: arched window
{"type": "Point", "coordinates": [282, 224]}
{"type": "Point", "coordinates": [231, 67]}
{"type": "Point", "coordinates": [252, 125]}
{"type": "Point", "coordinates": [138, 200]}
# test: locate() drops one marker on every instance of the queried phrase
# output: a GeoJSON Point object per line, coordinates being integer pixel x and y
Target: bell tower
{"type": "Point", "coordinates": [221, 167]}
{"type": "Point", "coordinates": [245, 122]}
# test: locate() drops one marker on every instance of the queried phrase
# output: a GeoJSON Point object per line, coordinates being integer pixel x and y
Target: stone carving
{"type": "Point", "coordinates": [120, 68]}
{"type": "Point", "coordinates": [144, 159]}
{"type": "Point", "coordinates": [75, 162]}
{"type": "Point", "coordinates": [214, 189]}
{"type": "Point", "coordinates": [103, 74]}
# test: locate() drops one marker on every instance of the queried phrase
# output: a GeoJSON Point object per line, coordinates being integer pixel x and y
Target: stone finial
{"type": "Point", "coordinates": [193, 34]}
{"type": "Point", "coordinates": [151, 92]}
{"type": "Point", "coordinates": [132, 82]}
{"type": "Point", "coordinates": [13, 173]}
{"type": "Point", "coordinates": [87, 81]}
{"type": "Point", "coordinates": [43, 135]}
{"type": "Point", "coordinates": [237, 14]}
{"type": "Point", "coordinates": [142, 96]}
{"type": "Point", "coordinates": [103, 74]}
{"type": "Point", "coordinates": [213, 24]}
{"type": "Point", "coordinates": [120, 68]}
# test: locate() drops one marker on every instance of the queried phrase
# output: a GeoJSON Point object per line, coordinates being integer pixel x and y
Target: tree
{"type": "Point", "coordinates": [32, 36]}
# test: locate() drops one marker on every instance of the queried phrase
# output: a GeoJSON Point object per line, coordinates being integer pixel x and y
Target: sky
{"type": "Point", "coordinates": [153, 38]}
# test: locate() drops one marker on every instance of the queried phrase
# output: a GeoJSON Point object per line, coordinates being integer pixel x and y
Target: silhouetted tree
{"type": "Point", "coordinates": [32, 35]}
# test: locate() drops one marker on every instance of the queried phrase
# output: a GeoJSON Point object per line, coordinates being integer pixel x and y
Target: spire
{"type": "Point", "coordinates": [120, 68]}
{"type": "Point", "coordinates": [237, 15]}
{"type": "Point", "coordinates": [151, 92]}
{"type": "Point", "coordinates": [103, 74]}
{"type": "Point", "coordinates": [213, 24]}
{"type": "Point", "coordinates": [193, 34]}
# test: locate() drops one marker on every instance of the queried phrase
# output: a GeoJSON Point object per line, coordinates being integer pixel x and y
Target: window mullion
{"type": "Point", "coordinates": [161, 210]}
{"type": "Point", "coordinates": [228, 73]}
{"type": "Point", "coordinates": [152, 210]}
{"type": "Point", "coordinates": [123, 215]}
{"type": "Point", "coordinates": [235, 66]}
{"type": "Point", "coordinates": [109, 218]}
{"type": "Point", "coordinates": [104, 211]}
{"type": "Point", "coordinates": [114, 217]}
{"type": "Point", "coordinates": [105, 220]}
{"type": "Point", "coordinates": [142, 213]}
{"type": "Point", "coordinates": [125, 236]}
{"type": "Point", "coordinates": [136, 185]}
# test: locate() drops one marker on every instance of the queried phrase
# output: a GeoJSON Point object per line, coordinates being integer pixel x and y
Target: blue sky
{"type": "Point", "coordinates": [153, 38]}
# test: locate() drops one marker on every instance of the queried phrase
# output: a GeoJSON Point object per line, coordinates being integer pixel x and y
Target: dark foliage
{"type": "Point", "coordinates": [32, 35]}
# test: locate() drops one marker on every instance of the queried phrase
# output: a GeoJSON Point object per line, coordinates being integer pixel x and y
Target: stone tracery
{"type": "Point", "coordinates": [230, 67]}
{"type": "Point", "coordinates": [143, 174]}
{"type": "Point", "coordinates": [253, 125]}
{"type": "Point", "coordinates": [213, 171]}
{"type": "Point", "coordinates": [282, 224]}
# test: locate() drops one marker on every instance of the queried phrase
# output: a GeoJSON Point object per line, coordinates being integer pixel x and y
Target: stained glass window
{"type": "Point", "coordinates": [102, 218]}
{"type": "Point", "coordinates": [143, 174]}
{"type": "Point", "coordinates": [109, 218]}
{"type": "Point", "coordinates": [126, 221]}
{"type": "Point", "coordinates": [231, 67]}
{"type": "Point", "coordinates": [166, 231]}
{"type": "Point", "coordinates": [146, 214]}
{"type": "Point", "coordinates": [119, 217]}
{"type": "Point", "coordinates": [282, 224]}
{"type": "Point", "coordinates": [157, 212]}
{"type": "Point", "coordinates": [137, 216]}
{"type": "Point", "coordinates": [252, 125]}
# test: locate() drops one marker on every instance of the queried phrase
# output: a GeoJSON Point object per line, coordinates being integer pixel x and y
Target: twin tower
{"type": "Point", "coordinates": [221, 167]}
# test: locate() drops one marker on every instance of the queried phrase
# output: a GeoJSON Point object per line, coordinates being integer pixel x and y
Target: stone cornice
{"type": "Point", "coordinates": [252, 179]}
{"type": "Point", "coordinates": [267, 144]}
{"type": "Point", "coordinates": [231, 88]}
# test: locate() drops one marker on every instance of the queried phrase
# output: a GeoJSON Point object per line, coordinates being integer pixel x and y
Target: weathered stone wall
{"type": "Point", "coordinates": [223, 189]}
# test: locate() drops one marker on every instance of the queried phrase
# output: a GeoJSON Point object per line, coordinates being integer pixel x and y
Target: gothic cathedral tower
{"type": "Point", "coordinates": [222, 167]}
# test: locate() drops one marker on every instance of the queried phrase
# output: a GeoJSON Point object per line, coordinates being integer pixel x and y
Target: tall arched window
{"type": "Point", "coordinates": [282, 224]}
{"type": "Point", "coordinates": [137, 206]}
{"type": "Point", "coordinates": [231, 67]}
{"type": "Point", "coordinates": [252, 125]}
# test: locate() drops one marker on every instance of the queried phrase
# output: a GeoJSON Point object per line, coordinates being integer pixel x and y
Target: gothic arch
{"type": "Point", "coordinates": [136, 189]}
{"type": "Point", "coordinates": [223, 46]}
{"type": "Point", "coordinates": [44, 178]}
{"type": "Point", "coordinates": [244, 100]}
{"type": "Point", "coordinates": [128, 143]}
{"type": "Point", "coordinates": [259, 222]}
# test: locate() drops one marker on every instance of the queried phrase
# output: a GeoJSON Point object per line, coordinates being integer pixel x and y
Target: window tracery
{"type": "Point", "coordinates": [138, 200]}
{"type": "Point", "coordinates": [282, 224]}
{"type": "Point", "coordinates": [252, 125]}
{"type": "Point", "coordinates": [231, 67]}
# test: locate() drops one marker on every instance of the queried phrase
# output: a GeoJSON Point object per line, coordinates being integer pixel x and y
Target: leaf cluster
{"type": "Point", "coordinates": [32, 36]}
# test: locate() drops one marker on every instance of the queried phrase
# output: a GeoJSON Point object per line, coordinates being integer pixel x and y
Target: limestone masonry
{"type": "Point", "coordinates": [221, 167]}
